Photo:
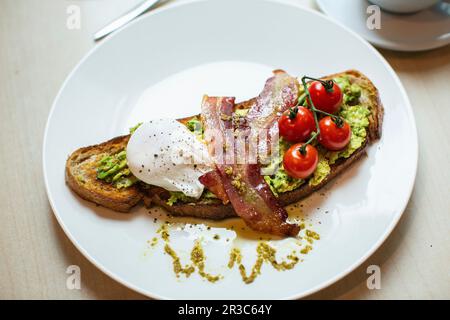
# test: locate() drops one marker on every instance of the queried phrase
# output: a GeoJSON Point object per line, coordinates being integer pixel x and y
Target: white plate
{"type": "Point", "coordinates": [427, 29]}
{"type": "Point", "coordinates": [160, 65]}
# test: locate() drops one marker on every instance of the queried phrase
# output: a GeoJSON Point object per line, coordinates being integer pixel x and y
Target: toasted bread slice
{"type": "Point", "coordinates": [81, 176]}
{"type": "Point", "coordinates": [81, 168]}
{"type": "Point", "coordinates": [211, 209]}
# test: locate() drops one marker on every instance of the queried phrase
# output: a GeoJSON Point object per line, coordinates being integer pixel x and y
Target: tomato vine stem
{"type": "Point", "coordinates": [293, 112]}
{"type": "Point", "coordinates": [302, 149]}
{"type": "Point", "coordinates": [328, 84]}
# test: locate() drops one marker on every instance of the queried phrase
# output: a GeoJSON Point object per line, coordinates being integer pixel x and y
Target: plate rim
{"type": "Point", "coordinates": [305, 293]}
{"type": "Point", "coordinates": [402, 47]}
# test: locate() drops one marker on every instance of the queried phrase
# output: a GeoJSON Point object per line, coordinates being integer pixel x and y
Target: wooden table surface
{"type": "Point", "coordinates": [37, 51]}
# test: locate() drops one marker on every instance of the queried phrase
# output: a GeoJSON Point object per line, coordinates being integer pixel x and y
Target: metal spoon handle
{"type": "Point", "coordinates": [123, 20]}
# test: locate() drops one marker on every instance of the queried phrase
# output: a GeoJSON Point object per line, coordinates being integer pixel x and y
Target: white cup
{"type": "Point", "coordinates": [404, 6]}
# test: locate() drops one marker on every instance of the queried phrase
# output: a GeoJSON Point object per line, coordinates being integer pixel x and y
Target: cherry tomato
{"type": "Point", "coordinates": [331, 136]}
{"type": "Point", "coordinates": [328, 101]}
{"type": "Point", "coordinates": [296, 126]}
{"type": "Point", "coordinates": [299, 165]}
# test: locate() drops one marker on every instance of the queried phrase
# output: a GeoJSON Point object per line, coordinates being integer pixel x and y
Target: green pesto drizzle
{"type": "Point", "coordinates": [312, 234]}
{"type": "Point", "coordinates": [306, 249]}
{"type": "Point", "coordinates": [265, 254]}
{"type": "Point", "coordinates": [197, 258]}
{"type": "Point", "coordinates": [177, 267]}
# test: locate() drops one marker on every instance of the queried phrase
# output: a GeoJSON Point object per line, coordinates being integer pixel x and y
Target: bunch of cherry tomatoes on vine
{"type": "Point", "coordinates": [301, 125]}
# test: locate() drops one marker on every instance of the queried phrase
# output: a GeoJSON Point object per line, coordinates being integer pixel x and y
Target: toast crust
{"type": "Point", "coordinates": [123, 200]}
{"type": "Point", "coordinates": [81, 177]}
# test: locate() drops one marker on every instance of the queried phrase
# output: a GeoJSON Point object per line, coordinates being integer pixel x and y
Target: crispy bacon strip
{"type": "Point", "coordinates": [279, 94]}
{"type": "Point", "coordinates": [253, 200]}
{"type": "Point", "coordinates": [223, 107]}
{"type": "Point", "coordinates": [246, 188]}
{"type": "Point", "coordinates": [213, 182]}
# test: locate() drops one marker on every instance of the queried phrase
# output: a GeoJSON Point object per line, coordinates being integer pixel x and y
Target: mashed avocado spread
{"type": "Point", "coordinates": [357, 117]}
{"type": "Point", "coordinates": [113, 168]}
{"type": "Point", "coordinates": [175, 196]}
{"type": "Point", "coordinates": [194, 125]}
{"type": "Point", "coordinates": [280, 181]}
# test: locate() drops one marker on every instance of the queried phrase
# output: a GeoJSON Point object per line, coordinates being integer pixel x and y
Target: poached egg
{"type": "Point", "coordinates": [164, 153]}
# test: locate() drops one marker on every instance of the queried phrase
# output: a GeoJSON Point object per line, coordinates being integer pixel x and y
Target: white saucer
{"type": "Point", "coordinates": [420, 31]}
